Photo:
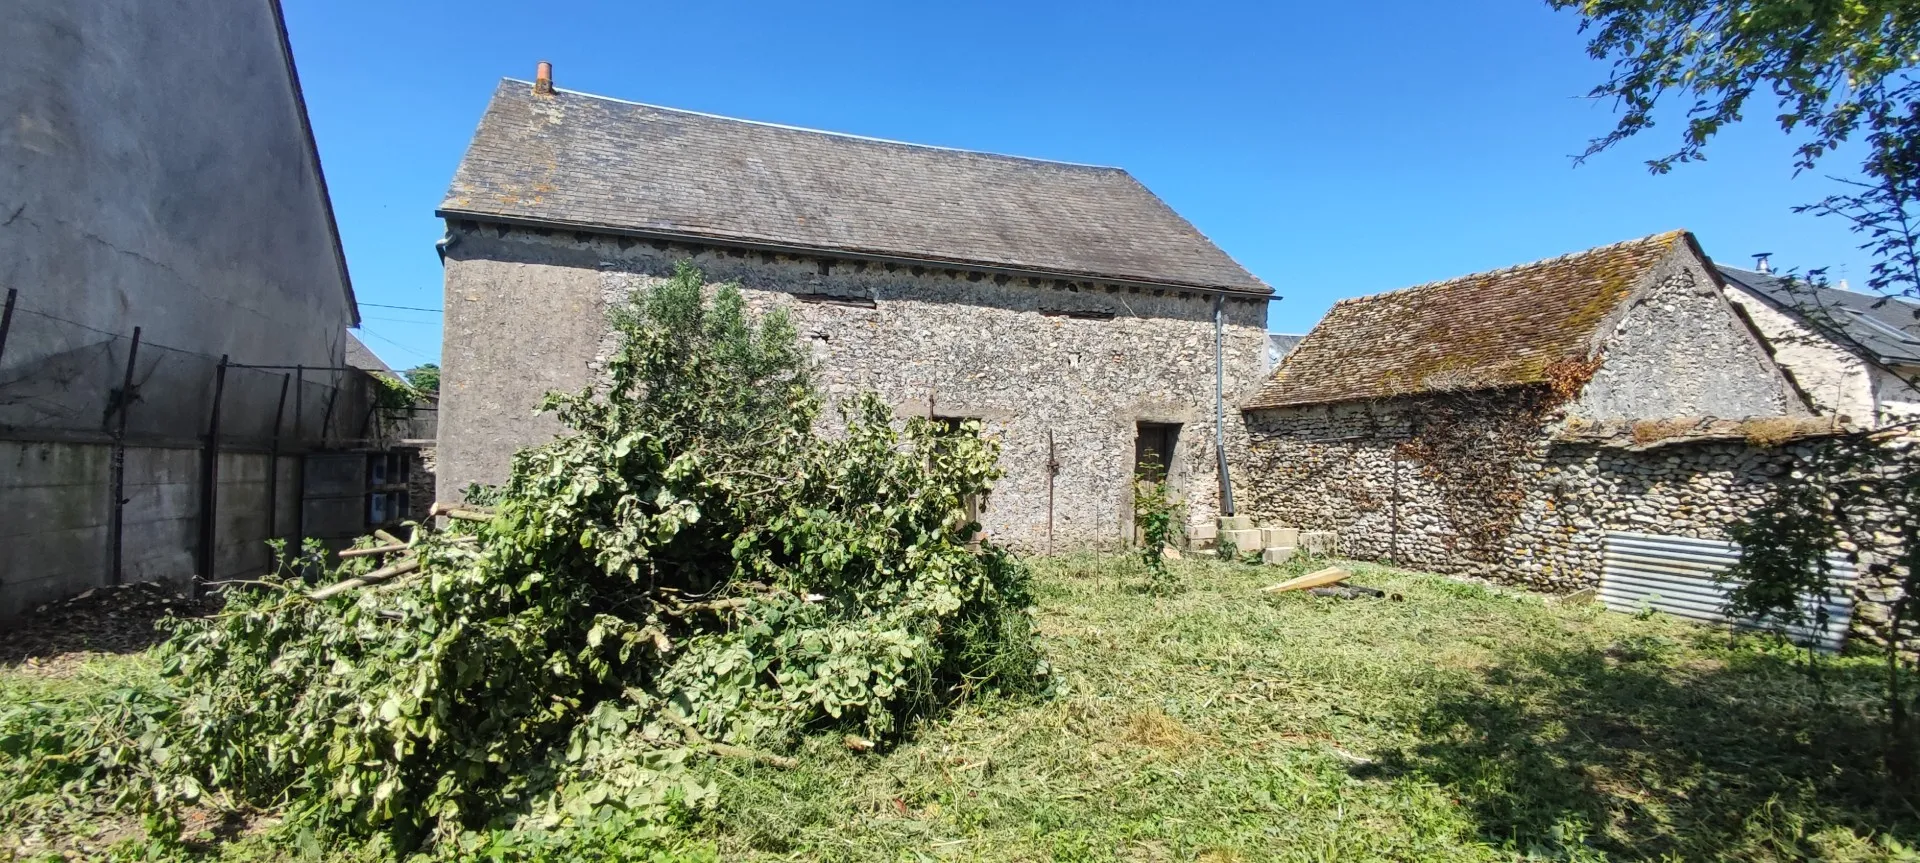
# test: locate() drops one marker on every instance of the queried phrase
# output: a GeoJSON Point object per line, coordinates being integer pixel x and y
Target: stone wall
{"type": "Point", "coordinates": [1085, 361]}
{"type": "Point", "coordinates": [1428, 482]}
{"type": "Point", "coordinates": [1538, 517]}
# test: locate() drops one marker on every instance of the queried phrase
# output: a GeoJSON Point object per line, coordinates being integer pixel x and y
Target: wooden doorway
{"type": "Point", "coordinates": [1154, 446]}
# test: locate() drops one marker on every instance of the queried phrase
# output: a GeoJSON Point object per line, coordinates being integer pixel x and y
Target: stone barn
{"type": "Point", "coordinates": [1528, 424]}
{"type": "Point", "coordinates": [1087, 324]}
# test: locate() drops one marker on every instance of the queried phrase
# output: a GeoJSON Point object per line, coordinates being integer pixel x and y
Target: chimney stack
{"type": "Point", "coordinates": [1760, 264]}
{"type": "Point", "coordinates": [543, 78]}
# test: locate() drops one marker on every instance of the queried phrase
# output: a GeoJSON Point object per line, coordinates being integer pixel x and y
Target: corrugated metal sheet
{"type": "Point", "coordinates": [1676, 574]}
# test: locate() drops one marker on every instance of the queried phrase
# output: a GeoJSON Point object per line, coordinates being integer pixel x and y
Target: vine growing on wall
{"type": "Point", "coordinates": [1473, 446]}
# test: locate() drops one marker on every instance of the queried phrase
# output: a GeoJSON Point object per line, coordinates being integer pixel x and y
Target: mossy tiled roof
{"type": "Point", "coordinates": [1486, 330]}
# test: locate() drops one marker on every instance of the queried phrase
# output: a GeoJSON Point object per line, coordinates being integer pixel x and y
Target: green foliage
{"type": "Point", "coordinates": [1836, 71]}
{"type": "Point", "coordinates": [1226, 549]}
{"type": "Point", "coordinates": [424, 378]}
{"type": "Point", "coordinates": [392, 394]}
{"type": "Point", "coordinates": [1158, 516]}
{"type": "Point", "coordinates": [96, 742]}
{"type": "Point", "coordinates": [1852, 485]}
{"type": "Point", "coordinates": [691, 571]}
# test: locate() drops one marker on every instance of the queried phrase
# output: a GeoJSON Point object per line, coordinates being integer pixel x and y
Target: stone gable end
{"type": "Point", "coordinates": [1679, 348]}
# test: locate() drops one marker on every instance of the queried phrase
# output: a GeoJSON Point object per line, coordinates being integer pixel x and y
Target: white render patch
{"type": "Point", "coordinates": [1682, 576]}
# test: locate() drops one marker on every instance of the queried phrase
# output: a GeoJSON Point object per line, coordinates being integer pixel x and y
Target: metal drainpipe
{"type": "Point", "coordinates": [1219, 404]}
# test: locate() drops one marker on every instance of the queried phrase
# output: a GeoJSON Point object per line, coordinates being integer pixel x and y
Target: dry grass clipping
{"type": "Point", "coordinates": [1154, 729]}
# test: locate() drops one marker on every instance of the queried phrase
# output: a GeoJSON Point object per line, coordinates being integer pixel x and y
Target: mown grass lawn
{"type": "Point", "coordinates": [1457, 723]}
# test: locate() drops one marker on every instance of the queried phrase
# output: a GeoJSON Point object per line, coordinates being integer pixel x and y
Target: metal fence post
{"type": "Point", "coordinates": [6, 319]}
{"type": "Point", "coordinates": [117, 527]}
{"type": "Point", "coordinates": [273, 466]}
{"type": "Point", "coordinates": [210, 481]}
{"type": "Point", "coordinates": [326, 420]}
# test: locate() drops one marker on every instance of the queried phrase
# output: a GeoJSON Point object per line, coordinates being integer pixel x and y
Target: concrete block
{"type": "Point", "coordinates": [1236, 522]}
{"type": "Point", "coordinates": [1277, 554]}
{"type": "Point", "coordinates": [1202, 536]}
{"type": "Point", "coordinates": [1244, 540]}
{"type": "Point", "coordinates": [1322, 542]}
{"type": "Point", "coordinates": [1273, 537]}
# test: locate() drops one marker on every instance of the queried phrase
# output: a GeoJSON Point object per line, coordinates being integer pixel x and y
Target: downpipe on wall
{"type": "Point", "coordinates": [1220, 403]}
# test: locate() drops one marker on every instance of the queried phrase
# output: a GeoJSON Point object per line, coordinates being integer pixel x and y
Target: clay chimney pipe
{"type": "Point", "coordinates": [543, 78]}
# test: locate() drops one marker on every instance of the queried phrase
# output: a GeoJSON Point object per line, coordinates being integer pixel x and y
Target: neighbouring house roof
{"type": "Point", "coordinates": [1486, 330]}
{"type": "Point", "coordinates": [577, 160]}
{"type": "Point", "coordinates": [1885, 329]}
{"type": "Point", "coordinates": [1279, 345]}
{"type": "Point", "coordinates": [363, 358]}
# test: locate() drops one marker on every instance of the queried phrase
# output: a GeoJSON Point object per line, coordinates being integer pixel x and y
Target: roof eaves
{"type": "Point", "coordinates": [1259, 289]}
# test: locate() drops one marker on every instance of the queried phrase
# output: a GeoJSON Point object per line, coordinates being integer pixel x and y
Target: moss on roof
{"type": "Point", "coordinates": [1486, 330]}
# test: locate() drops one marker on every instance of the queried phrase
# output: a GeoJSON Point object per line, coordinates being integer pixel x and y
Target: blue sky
{"type": "Point", "coordinates": [1335, 149]}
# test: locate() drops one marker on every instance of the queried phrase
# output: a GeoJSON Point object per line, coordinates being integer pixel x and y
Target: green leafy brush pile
{"type": "Point", "coordinates": [691, 573]}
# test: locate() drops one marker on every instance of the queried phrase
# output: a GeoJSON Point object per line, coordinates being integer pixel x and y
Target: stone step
{"type": "Point", "coordinates": [1272, 537]}
{"type": "Point", "coordinates": [1244, 540]}
{"type": "Point", "coordinates": [1321, 542]}
{"type": "Point", "coordinates": [1277, 554]}
{"type": "Point", "coordinates": [1236, 522]}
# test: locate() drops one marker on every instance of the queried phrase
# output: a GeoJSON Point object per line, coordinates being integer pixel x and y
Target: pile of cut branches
{"type": "Point", "coordinates": [691, 572]}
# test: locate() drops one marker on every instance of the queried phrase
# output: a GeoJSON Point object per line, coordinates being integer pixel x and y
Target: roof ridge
{"type": "Point", "coordinates": [1441, 283]}
{"type": "Point", "coordinates": [849, 135]}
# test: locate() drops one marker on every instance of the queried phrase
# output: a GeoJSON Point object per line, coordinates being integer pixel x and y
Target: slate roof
{"type": "Point", "coordinates": [1886, 330]}
{"type": "Point", "coordinates": [1279, 345]}
{"type": "Point", "coordinates": [363, 358]}
{"type": "Point", "coordinates": [578, 160]}
{"type": "Point", "coordinates": [1482, 331]}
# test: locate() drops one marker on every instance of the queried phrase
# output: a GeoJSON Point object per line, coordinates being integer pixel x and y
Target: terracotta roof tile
{"type": "Point", "coordinates": [1486, 330]}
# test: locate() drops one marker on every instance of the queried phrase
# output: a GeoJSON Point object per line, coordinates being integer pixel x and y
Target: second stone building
{"type": "Point", "coordinates": [1090, 328]}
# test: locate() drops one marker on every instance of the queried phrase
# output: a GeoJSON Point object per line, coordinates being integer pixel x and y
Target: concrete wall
{"type": "Point", "coordinates": [526, 313]}
{"type": "Point", "coordinates": [1680, 350]}
{"type": "Point", "coordinates": [57, 539]}
{"type": "Point", "coordinates": [155, 171]}
{"type": "Point", "coordinates": [1835, 382]}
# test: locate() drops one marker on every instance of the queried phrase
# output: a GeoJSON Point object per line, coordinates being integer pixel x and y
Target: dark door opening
{"type": "Point", "coordinates": [1153, 449]}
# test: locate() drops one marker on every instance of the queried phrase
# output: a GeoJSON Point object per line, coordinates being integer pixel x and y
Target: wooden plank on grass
{"type": "Point", "coordinates": [1322, 578]}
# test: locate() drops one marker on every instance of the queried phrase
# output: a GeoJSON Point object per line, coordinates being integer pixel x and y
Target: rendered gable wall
{"type": "Point", "coordinates": [1682, 351]}
{"type": "Point", "coordinates": [1836, 382]}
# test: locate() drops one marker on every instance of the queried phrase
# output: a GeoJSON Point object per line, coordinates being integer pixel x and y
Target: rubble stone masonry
{"type": "Point", "coordinates": [1084, 360]}
{"type": "Point", "coordinates": [1356, 468]}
